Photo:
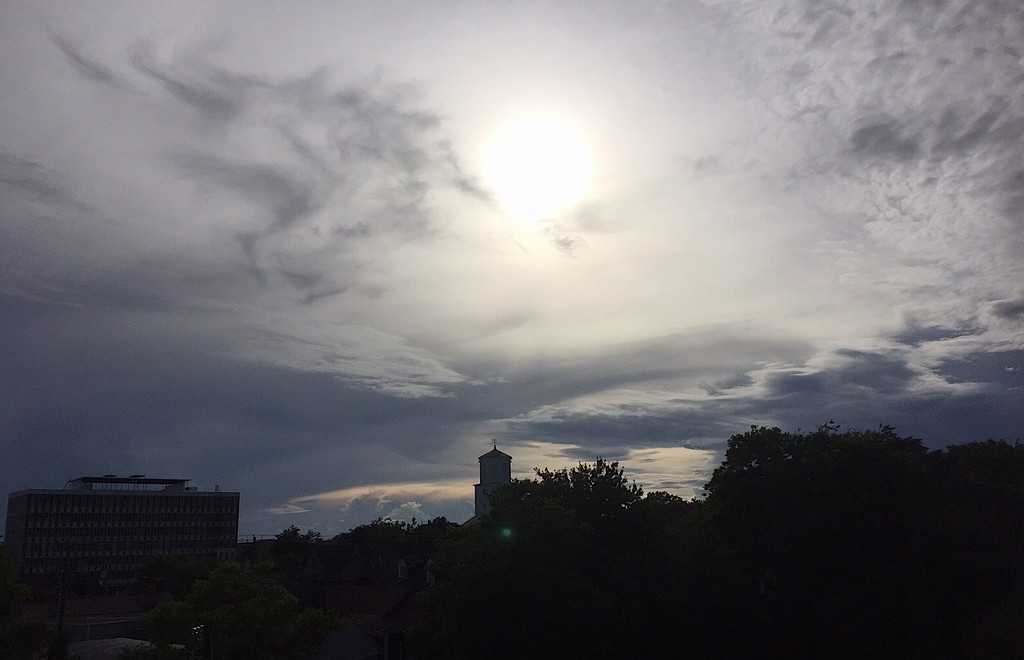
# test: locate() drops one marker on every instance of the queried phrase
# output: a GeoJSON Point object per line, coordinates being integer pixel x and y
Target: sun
{"type": "Point", "coordinates": [538, 166]}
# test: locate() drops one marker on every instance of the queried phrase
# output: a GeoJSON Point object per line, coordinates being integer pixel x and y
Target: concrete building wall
{"type": "Point", "coordinates": [105, 534]}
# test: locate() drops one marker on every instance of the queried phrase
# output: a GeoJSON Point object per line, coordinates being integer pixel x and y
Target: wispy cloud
{"type": "Point", "coordinates": [243, 249]}
{"type": "Point", "coordinates": [89, 68]}
{"type": "Point", "coordinates": [34, 181]}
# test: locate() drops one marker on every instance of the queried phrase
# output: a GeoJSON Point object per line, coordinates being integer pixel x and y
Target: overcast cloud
{"type": "Point", "coordinates": [255, 245]}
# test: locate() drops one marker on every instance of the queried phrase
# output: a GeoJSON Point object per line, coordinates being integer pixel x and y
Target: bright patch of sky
{"type": "Point", "coordinates": [265, 246]}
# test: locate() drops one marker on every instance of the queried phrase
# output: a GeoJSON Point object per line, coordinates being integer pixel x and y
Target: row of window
{"type": "Point", "coordinates": [91, 520]}
{"type": "Point", "coordinates": [87, 563]}
{"type": "Point", "coordinates": [97, 503]}
{"type": "Point", "coordinates": [54, 545]}
{"type": "Point", "coordinates": [140, 548]}
{"type": "Point", "coordinates": [214, 530]}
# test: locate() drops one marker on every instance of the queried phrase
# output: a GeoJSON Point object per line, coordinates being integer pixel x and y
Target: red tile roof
{"type": "Point", "coordinates": [97, 606]}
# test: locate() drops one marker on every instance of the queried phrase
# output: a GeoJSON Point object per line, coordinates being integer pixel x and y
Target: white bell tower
{"type": "Point", "coordinates": [495, 470]}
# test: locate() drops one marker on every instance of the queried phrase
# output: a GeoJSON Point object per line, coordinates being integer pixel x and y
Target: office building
{"type": "Point", "coordinates": [102, 529]}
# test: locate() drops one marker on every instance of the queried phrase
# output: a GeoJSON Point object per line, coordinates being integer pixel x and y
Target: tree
{"type": "Point", "coordinates": [838, 543]}
{"type": "Point", "coordinates": [399, 536]}
{"type": "Point", "coordinates": [910, 546]}
{"type": "Point", "coordinates": [173, 574]}
{"type": "Point", "coordinates": [291, 545]}
{"type": "Point", "coordinates": [570, 556]}
{"type": "Point", "coordinates": [21, 637]}
{"type": "Point", "coordinates": [829, 543]}
{"type": "Point", "coordinates": [382, 532]}
{"type": "Point", "coordinates": [501, 577]}
{"type": "Point", "coordinates": [246, 614]}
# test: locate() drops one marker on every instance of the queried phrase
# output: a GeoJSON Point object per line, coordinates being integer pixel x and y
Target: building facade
{"type": "Point", "coordinates": [102, 529]}
{"type": "Point", "coordinates": [495, 470]}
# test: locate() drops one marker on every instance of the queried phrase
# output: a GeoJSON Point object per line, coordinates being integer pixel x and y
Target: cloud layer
{"type": "Point", "coordinates": [247, 251]}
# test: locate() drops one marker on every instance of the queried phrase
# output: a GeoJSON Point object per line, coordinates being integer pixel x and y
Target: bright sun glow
{"type": "Point", "coordinates": [538, 167]}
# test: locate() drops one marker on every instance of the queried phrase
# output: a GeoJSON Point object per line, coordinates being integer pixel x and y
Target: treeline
{"type": "Point", "coordinates": [291, 546]}
{"type": "Point", "coordinates": [822, 544]}
{"type": "Point", "coordinates": [260, 607]}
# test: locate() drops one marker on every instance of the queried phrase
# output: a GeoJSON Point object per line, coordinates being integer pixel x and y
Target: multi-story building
{"type": "Point", "coordinates": [101, 529]}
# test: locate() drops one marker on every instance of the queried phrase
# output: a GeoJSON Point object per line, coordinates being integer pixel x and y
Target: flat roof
{"type": "Point", "coordinates": [135, 479]}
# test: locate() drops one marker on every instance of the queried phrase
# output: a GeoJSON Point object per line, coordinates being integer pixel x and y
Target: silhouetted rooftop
{"type": "Point", "coordinates": [495, 453]}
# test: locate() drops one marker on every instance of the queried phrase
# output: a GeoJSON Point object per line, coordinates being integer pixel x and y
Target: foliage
{"type": "Point", "coordinates": [291, 546]}
{"type": "Point", "coordinates": [246, 614]}
{"type": "Point", "coordinates": [829, 543]}
{"type": "Point", "coordinates": [12, 594]}
{"type": "Point", "coordinates": [21, 637]}
{"type": "Point", "coordinates": [398, 535]}
{"type": "Point", "coordinates": [173, 574]}
{"type": "Point", "coordinates": [569, 556]}
{"type": "Point", "coordinates": [154, 653]}
{"type": "Point", "coordinates": [909, 546]}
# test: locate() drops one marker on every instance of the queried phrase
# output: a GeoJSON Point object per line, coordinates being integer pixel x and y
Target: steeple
{"type": "Point", "coordinates": [495, 470]}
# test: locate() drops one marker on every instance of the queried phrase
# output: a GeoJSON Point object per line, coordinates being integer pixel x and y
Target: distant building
{"type": "Point", "coordinates": [101, 529]}
{"type": "Point", "coordinates": [495, 470]}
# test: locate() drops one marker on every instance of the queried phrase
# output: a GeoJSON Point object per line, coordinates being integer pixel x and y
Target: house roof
{"type": "Point", "coordinates": [375, 608]}
{"type": "Point", "coordinates": [332, 556]}
{"type": "Point", "coordinates": [495, 453]}
{"type": "Point", "coordinates": [127, 605]}
{"type": "Point", "coordinates": [105, 649]}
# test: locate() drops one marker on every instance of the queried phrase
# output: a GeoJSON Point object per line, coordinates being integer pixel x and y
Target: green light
{"type": "Point", "coordinates": [506, 532]}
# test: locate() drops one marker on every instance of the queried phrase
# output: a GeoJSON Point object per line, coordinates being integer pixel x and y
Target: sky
{"type": "Point", "coordinates": [326, 253]}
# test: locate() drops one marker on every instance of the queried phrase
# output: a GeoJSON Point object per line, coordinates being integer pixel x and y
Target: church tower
{"type": "Point", "coordinates": [495, 470]}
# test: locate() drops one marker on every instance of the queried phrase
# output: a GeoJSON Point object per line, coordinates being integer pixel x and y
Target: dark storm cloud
{"type": "Point", "coordinates": [697, 356]}
{"type": "Point", "coordinates": [89, 68]}
{"type": "Point", "coordinates": [1009, 309]}
{"type": "Point", "coordinates": [31, 179]}
{"type": "Point", "coordinates": [699, 359]}
{"type": "Point", "coordinates": [613, 435]}
{"type": "Point", "coordinates": [916, 334]}
{"type": "Point", "coordinates": [288, 198]}
{"type": "Point", "coordinates": [959, 131]}
{"type": "Point", "coordinates": [913, 84]}
{"type": "Point", "coordinates": [369, 124]}
{"type": "Point", "coordinates": [463, 182]}
{"type": "Point", "coordinates": [126, 394]}
{"type": "Point", "coordinates": [368, 150]}
{"type": "Point", "coordinates": [864, 390]}
{"type": "Point", "coordinates": [882, 374]}
{"type": "Point", "coordinates": [1012, 188]}
{"type": "Point", "coordinates": [246, 305]}
{"type": "Point", "coordinates": [247, 241]}
{"type": "Point", "coordinates": [883, 138]}
{"type": "Point", "coordinates": [859, 389]}
{"type": "Point", "coordinates": [55, 245]}
{"type": "Point", "coordinates": [215, 102]}
{"type": "Point", "coordinates": [1004, 369]}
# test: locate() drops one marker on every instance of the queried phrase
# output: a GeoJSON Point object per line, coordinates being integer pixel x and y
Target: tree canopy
{"type": "Point", "coordinates": [243, 614]}
{"type": "Point", "coordinates": [827, 543]}
{"type": "Point", "coordinates": [568, 557]}
{"type": "Point", "coordinates": [21, 637]}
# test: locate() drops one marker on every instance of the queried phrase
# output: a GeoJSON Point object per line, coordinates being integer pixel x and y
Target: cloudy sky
{"type": "Point", "coordinates": [323, 252]}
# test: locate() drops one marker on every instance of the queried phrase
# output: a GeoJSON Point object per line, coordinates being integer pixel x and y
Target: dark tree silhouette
{"type": "Point", "coordinates": [21, 637]}
{"type": "Point", "coordinates": [867, 545]}
{"type": "Point", "coordinates": [829, 543]}
{"type": "Point", "coordinates": [243, 613]}
{"type": "Point", "coordinates": [571, 557]}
